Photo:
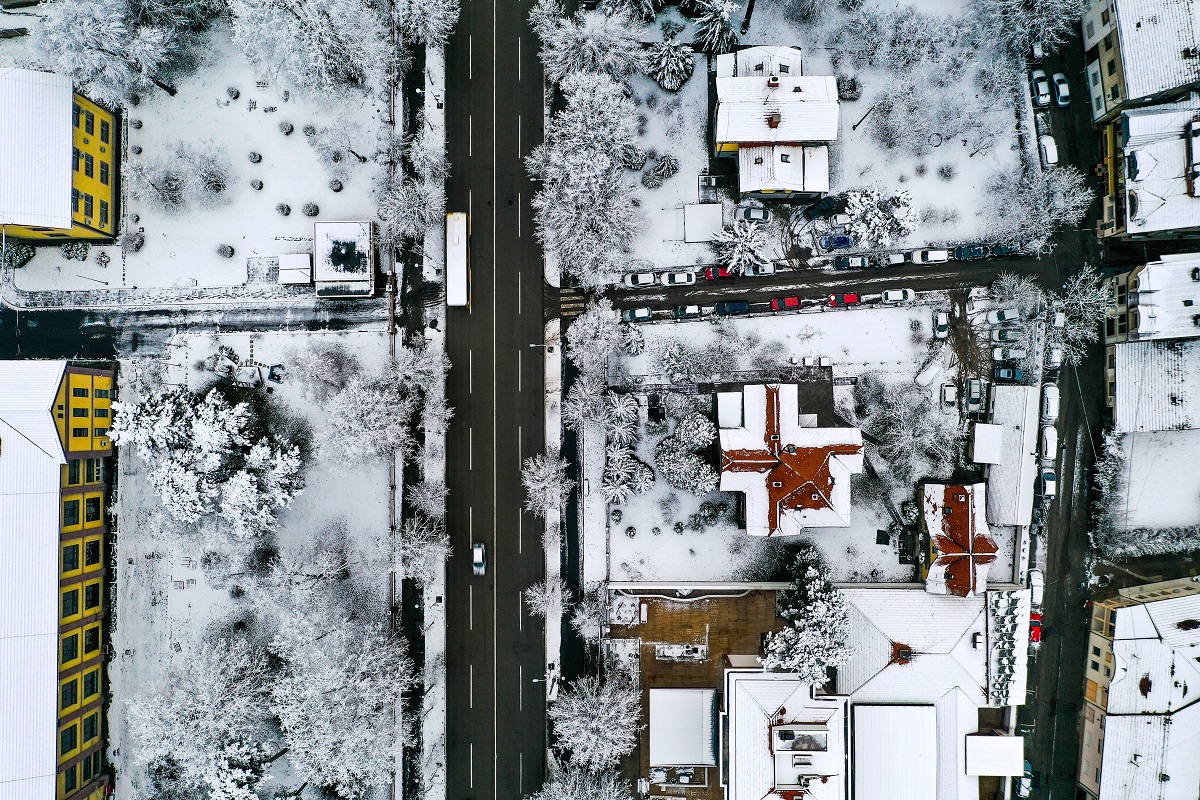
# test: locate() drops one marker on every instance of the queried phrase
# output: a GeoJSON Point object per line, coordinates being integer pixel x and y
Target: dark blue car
{"type": "Point", "coordinates": [732, 307]}
{"type": "Point", "coordinates": [835, 242]}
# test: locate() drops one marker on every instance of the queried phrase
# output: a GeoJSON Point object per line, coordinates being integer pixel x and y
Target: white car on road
{"type": "Point", "coordinates": [1040, 88]}
{"type": "Point", "coordinates": [899, 296]}
{"type": "Point", "coordinates": [677, 278]}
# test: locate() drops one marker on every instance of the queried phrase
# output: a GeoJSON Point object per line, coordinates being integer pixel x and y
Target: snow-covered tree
{"type": "Point", "coordinates": [598, 722]}
{"type": "Point", "coordinates": [323, 46]}
{"type": "Point", "coordinates": [186, 175]}
{"type": "Point", "coordinates": [624, 474]}
{"type": "Point", "coordinates": [585, 402]}
{"type": "Point", "coordinates": [547, 597]}
{"type": "Point", "coordinates": [1084, 300]}
{"type": "Point", "coordinates": [1019, 23]}
{"type": "Point", "coordinates": [337, 701]}
{"type": "Point", "coordinates": [715, 31]}
{"type": "Point", "coordinates": [592, 41]}
{"type": "Point", "coordinates": [268, 481]}
{"type": "Point", "coordinates": [322, 368]}
{"type": "Point", "coordinates": [879, 219]}
{"type": "Point", "coordinates": [429, 497]}
{"type": "Point", "coordinates": [1021, 291]}
{"type": "Point", "coordinates": [670, 63]}
{"type": "Point", "coordinates": [633, 341]}
{"type": "Point", "coordinates": [584, 211]}
{"type": "Point", "coordinates": [590, 612]}
{"type": "Point", "coordinates": [429, 21]}
{"type": "Point", "coordinates": [577, 783]}
{"type": "Point", "coordinates": [817, 635]}
{"type": "Point", "coordinates": [695, 431]}
{"type": "Point", "coordinates": [101, 46]}
{"type": "Point", "coordinates": [424, 547]}
{"type": "Point", "coordinates": [643, 10]}
{"type": "Point", "coordinates": [206, 719]}
{"type": "Point", "coordinates": [1121, 545]}
{"type": "Point", "coordinates": [594, 336]}
{"type": "Point", "coordinates": [546, 483]}
{"type": "Point", "coordinates": [741, 245]}
{"type": "Point", "coordinates": [1032, 206]}
{"type": "Point", "coordinates": [408, 208]}
{"type": "Point", "coordinates": [683, 469]}
{"type": "Point", "coordinates": [906, 429]}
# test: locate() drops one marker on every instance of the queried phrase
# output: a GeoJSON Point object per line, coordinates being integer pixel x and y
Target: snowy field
{"type": "Point", "coordinates": [181, 245]}
{"type": "Point", "coordinates": [167, 605]}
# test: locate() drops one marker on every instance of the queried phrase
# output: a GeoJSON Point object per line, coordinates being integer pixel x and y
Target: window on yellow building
{"type": "Point", "coordinates": [71, 507]}
{"type": "Point", "coordinates": [91, 596]}
{"type": "Point", "coordinates": [76, 111]}
{"type": "Point", "coordinates": [101, 412]}
{"type": "Point", "coordinates": [73, 472]}
{"type": "Point", "coordinates": [91, 639]}
{"type": "Point", "coordinates": [89, 165]}
{"type": "Point", "coordinates": [68, 739]}
{"type": "Point", "coordinates": [79, 432]}
{"type": "Point", "coordinates": [91, 683]}
{"type": "Point", "coordinates": [91, 553]}
{"type": "Point", "coordinates": [74, 210]}
{"type": "Point", "coordinates": [70, 561]}
{"type": "Point", "coordinates": [102, 394]}
{"type": "Point", "coordinates": [88, 204]}
{"type": "Point", "coordinates": [70, 648]}
{"type": "Point", "coordinates": [70, 603]}
{"type": "Point", "coordinates": [104, 177]}
{"type": "Point", "coordinates": [104, 211]}
{"type": "Point", "coordinates": [91, 727]}
{"type": "Point", "coordinates": [79, 412]}
{"type": "Point", "coordinates": [104, 131]}
{"type": "Point", "coordinates": [69, 784]}
{"type": "Point", "coordinates": [70, 693]}
{"type": "Point", "coordinates": [75, 156]}
{"type": "Point", "coordinates": [89, 123]}
{"type": "Point", "coordinates": [91, 511]}
{"type": "Point", "coordinates": [94, 471]}
{"type": "Point", "coordinates": [101, 432]}
{"type": "Point", "coordinates": [79, 391]}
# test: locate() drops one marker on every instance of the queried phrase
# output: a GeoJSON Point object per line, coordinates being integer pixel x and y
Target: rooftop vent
{"type": "Point", "coordinates": [772, 81]}
{"type": "Point", "coordinates": [774, 119]}
{"type": "Point", "coordinates": [758, 160]}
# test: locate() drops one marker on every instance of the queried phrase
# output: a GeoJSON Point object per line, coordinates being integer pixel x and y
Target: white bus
{"type": "Point", "coordinates": [458, 268]}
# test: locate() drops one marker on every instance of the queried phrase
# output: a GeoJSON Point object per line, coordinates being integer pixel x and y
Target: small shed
{"type": "Point", "coordinates": [343, 259]}
{"type": "Point", "coordinates": [702, 222]}
{"type": "Point", "coordinates": [295, 269]}
{"type": "Point", "coordinates": [683, 728]}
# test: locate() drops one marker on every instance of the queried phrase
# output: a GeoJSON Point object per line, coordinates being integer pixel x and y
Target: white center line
{"type": "Point", "coordinates": [520, 532]}
{"type": "Point", "coordinates": [519, 234]}
{"type": "Point", "coordinates": [520, 353]}
{"type": "Point", "coordinates": [470, 372]}
{"type": "Point", "coordinates": [521, 614]}
{"type": "Point", "coordinates": [470, 607]}
{"type": "Point", "coordinates": [520, 687]}
{"type": "Point", "coordinates": [518, 286]}
{"type": "Point", "coordinates": [470, 56]}
{"type": "Point", "coordinates": [472, 785]}
{"type": "Point", "coordinates": [518, 58]}
{"type": "Point", "coordinates": [495, 428]}
{"type": "Point", "coordinates": [471, 686]}
{"type": "Point", "coordinates": [519, 151]}
{"type": "Point", "coordinates": [470, 135]}
{"type": "Point", "coordinates": [470, 448]}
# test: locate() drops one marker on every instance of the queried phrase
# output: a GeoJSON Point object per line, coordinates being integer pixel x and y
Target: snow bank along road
{"type": "Point", "coordinates": [496, 709]}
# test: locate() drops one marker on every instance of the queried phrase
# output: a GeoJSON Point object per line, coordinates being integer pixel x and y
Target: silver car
{"type": "Point", "coordinates": [479, 558]}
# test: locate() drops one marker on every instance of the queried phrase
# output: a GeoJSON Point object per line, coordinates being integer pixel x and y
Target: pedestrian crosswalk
{"type": "Point", "coordinates": [571, 302]}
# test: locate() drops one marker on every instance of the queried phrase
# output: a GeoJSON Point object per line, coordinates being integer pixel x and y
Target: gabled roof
{"type": "Point", "coordinates": [1167, 297]}
{"type": "Point", "coordinates": [806, 109]}
{"type": "Point", "coordinates": [962, 543]}
{"type": "Point", "coordinates": [1158, 385]}
{"type": "Point", "coordinates": [762, 60]}
{"type": "Point", "coordinates": [1139, 749]}
{"type": "Point", "coordinates": [783, 168]}
{"type": "Point", "coordinates": [35, 148]}
{"type": "Point", "coordinates": [1010, 482]}
{"type": "Point", "coordinates": [1156, 37]}
{"type": "Point", "coordinates": [27, 392]}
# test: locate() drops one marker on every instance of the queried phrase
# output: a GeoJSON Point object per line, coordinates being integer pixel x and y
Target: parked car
{"type": "Point", "coordinates": [836, 241]}
{"type": "Point", "coordinates": [1050, 402]}
{"type": "Point", "coordinates": [822, 208]}
{"type": "Point", "coordinates": [844, 299]}
{"type": "Point", "coordinates": [754, 270]}
{"type": "Point", "coordinates": [949, 395]}
{"type": "Point", "coordinates": [1024, 784]}
{"type": "Point", "coordinates": [1040, 88]}
{"type": "Point", "coordinates": [899, 295]}
{"type": "Point", "coordinates": [1062, 90]}
{"type": "Point", "coordinates": [999, 316]}
{"type": "Point", "coordinates": [1049, 483]}
{"type": "Point", "coordinates": [1054, 358]}
{"type": "Point", "coordinates": [839, 221]}
{"type": "Point", "coordinates": [849, 262]}
{"type": "Point", "coordinates": [928, 375]}
{"type": "Point", "coordinates": [636, 314]}
{"type": "Point", "coordinates": [716, 273]}
{"type": "Point", "coordinates": [1008, 353]}
{"type": "Point", "coordinates": [677, 278]}
{"type": "Point", "coordinates": [785, 303]}
{"type": "Point", "coordinates": [930, 256]}
{"type": "Point", "coordinates": [479, 558]}
{"type": "Point", "coordinates": [941, 325]}
{"type": "Point", "coordinates": [1037, 587]}
{"type": "Point", "coordinates": [1007, 374]}
{"type": "Point", "coordinates": [974, 396]}
{"type": "Point", "coordinates": [969, 252]}
{"type": "Point", "coordinates": [1049, 443]}
{"type": "Point", "coordinates": [1006, 249]}
{"type": "Point", "coordinates": [892, 259]}
{"type": "Point", "coordinates": [1005, 335]}
{"type": "Point", "coordinates": [732, 307]}
{"type": "Point", "coordinates": [1035, 627]}
{"type": "Point", "coordinates": [636, 280]}
{"type": "Point", "coordinates": [1048, 149]}
{"type": "Point", "coordinates": [756, 214]}
{"type": "Point", "coordinates": [687, 312]}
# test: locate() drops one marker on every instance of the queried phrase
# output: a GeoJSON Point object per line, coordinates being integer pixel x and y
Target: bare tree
{"type": "Point", "coordinates": [547, 597]}
{"type": "Point", "coordinates": [546, 483]}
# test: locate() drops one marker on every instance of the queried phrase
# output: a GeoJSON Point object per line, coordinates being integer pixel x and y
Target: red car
{"type": "Point", "coordinates": [713, 273]}
{"type": "Point", "coordinates": [785, 303]}
{"type": "Point", "coordinates": [1035, 627]}
{"type": "Point", "coordinates": [847, 299]}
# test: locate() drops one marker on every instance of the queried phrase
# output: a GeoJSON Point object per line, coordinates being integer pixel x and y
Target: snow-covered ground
{"type": "Point", "coordinates": [181, 246]}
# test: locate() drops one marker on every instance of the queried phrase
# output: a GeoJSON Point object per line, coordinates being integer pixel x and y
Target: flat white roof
{"type": "Point", "coordinates": [987, 443]}
{"type": "Point", "coordinates": [682, 728]}
{"type": "Point", "coordinates": [35, 148]}
{"type": "Point", "coordinates": [701, 222]}
{"type": "Point", "coordinates": [995, 755]}
{"type": "Point", "coordinates": [1010, 481]}
{"type": "Point", "coordinates": [1158, 385]}
{"type": "Point", "coordinates": [343, 258]}
{"type": "Point", "coordinates": [895, 752]}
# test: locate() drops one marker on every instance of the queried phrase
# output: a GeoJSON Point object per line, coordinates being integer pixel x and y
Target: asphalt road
{"type": "Point", "coordinates": [495, 661]}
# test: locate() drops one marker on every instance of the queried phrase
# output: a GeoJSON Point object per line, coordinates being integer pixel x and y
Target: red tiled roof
{"type": "Point", "coordinates": [959, 546]}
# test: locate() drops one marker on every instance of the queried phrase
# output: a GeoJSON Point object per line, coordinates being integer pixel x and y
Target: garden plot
{"type": "Point", "coordinates": [181, 246]}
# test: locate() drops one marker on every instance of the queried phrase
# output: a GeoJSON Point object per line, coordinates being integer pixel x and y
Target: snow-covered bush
{"type": "Point", "coordinates": [670, 63]}
{"type": "Point", "coordinates": [584, 212]}
{"type": "Point", "coordinates": [323, 368]}
{"type": "Point", "coordinates": [586, 402]}
{"type": "Point", "coordinates": [1122, 545]}
{"type": "Point", "coordinates": [741, 245]}
{"type": "Point", "coordinates": [428, 21]}
{"type": "Point", "coordinates": [1030, 207]}
{"type": "Point", "coordinates": [1084, 300]}
{"type": "Point", "coordinates": [323, 46]}
{"type": "Point", "coordinates": [906, 429]}
{"type": "Point", "coordinates": [683, 469]}
{"type": "Point", "coordinates": [187, 175]}
{"type": "Point", "coordinates": [597, 722]}
{"type": "Point", "coordinates": [594, 336]}
{"type": "Point", "coordinates": [715, 32]}
{"type": "Point", "coordinates": [879, 219]}
{"type": "Point", "coordinates": [547, 597]}
{"type": "Point", "coordinates": [696, 431]}
{"type": "Point", "coordinates": [592, 41]}
{"type": "Point", "coordinates": [817, 635]}
{"type": "Point", "coordinates": [664, 167]}
{"type": "Point", "coordinates": [546, 483]}
{"type": "Point", "coordinates": [578, 783]}
{"type": "Point", "coordinates": [16, 254]}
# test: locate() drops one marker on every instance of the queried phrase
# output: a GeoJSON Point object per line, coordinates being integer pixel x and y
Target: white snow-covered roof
{"type": "Point", "coordinates": [987, 443]}
{"type": "Point", "coordinates": [1010, 482]}
{"type": "Point", "coordinates": [1008, 645]}
{"type": "Point", "coordinates": [343, 259]}
{"type": "Point", "coordinates": [799, 109]}
{"type": "Point", "coordinates": [895, 752]}
{"type": "Point", "coordinates": [1156, 186]}
{"type": "Point", "coordinates": [683, 728]}
{"type": "Point", "coordinates": [1159, 122]}
{"type": "Point", "coordinates": [761, 60]}
{"type": "Point", "coordinates": [35, 148]}
{"type": "Point", "coordinates": [702, 221]}
{"type": "Point", "coordinates": [784, 168]}
{"type": "Point", "coordinates": [780, 737]}
{"type": "Point", "coordinates": [1139, 749]}
{"type": "Point", "coordinates": [295, 268]}
{"type": "Point", "coordinates": [30, 459]}
{"type": "Point", "coordinates": [1157, 385]}
{"type": "Point", "coordinates": [1162, 490]}
{"type": "Point", "coordinates": [1167, 298]}
{"type": "Point", "coordinates": [1156, 37]}
{"type": "Point", "coordinates": [995, 755]}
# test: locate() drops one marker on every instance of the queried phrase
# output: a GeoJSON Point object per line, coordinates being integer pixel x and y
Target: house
{"type": "Point", "coordinates": [1010, 482]}
{"type": "Point", "coordinates": [1155, 385]}
{"type": "Point", "coordinates": [1156, 301]}
{"type": "Point", "coordinates": [1139, 52]}
{"type": "Point", "coordinates": [957, 546]}
{"type": "Point", "coordinates": [1140, 721]}
{"type": "Point", "coordinates": [776, 121]}
{"type": "Point", "coordinates": [59, 155]}
{"type": "Point", "coordinates": [54, 447]}
{"type": "Point", "coordinates": [792, 474]}
{"type": "Point", "coordinates": [1150, 166]}
{"type": "Point", "coordinates": [343, 259]}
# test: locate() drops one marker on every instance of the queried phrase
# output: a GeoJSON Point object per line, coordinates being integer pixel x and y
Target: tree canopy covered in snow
{"type": "Point", "coordinates": [586, 402]}
{"type": "Point", "coordinates": [817, 635]}
{"type": "Point", "coordinates": [186, 175]}
{"type": "Point", "coordinates": [428, 21]}
{"type": "Point", "coordinates": [547, 597]}
{"type": "Point", "coordinates": [594, 336]}
{"type": "Point", "coordinates": [1019, 23]}
{"type": "Point", "coordinates": [670, 63]}
{"type": "Point", "coordinates": [715, 31]}
{"type": "Point", "coordinates": [546, 483]}
{"type": "Point", "coordinates": [1030, 207]}
{"type": "Point", "coordinates": [879, 219]}
{"type": "Point", "coordinates": [570, 782]}
{"type": "Point", "coordinates": [682, 468]}
{"type": "Point", "coordinates": [591, 41]}
{"type": "Point", "coordinates": [741, 245]}
{"type": "Point", "coordinates": [584, 211]}
{"type": "Point", "coordinates": [596, 721]}
{"type": "Point", "coordinates": [1083, 300]}
{"type": "Point", "coordinates": [904, 427]}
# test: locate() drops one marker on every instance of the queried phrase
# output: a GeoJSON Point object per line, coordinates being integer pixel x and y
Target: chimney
{"type": "Point", "coordinates": [773, 119]}
{"type": "Point", "coordinates": [772, 81]}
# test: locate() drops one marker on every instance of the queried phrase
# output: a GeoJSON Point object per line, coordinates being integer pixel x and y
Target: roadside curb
{"type": "Point", "coordinates": [553, 435]}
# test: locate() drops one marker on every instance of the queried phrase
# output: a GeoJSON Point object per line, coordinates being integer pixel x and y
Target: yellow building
{"type": "Point", "coordinates": [54, 450]}
{"type": "Point", "coordinates": [59, 155]}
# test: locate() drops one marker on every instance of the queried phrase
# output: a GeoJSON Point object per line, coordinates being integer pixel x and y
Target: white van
{"type": "Point", "coordinates": [756, 270]}
{"type": "Point", "coordinates": [1049, 443]}
{"type": "Point", "coordinates": [1049, 403]}
{"type": "Point", "coordinates": [1037, 587]}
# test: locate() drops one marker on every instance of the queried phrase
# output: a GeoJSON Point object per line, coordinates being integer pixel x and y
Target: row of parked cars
{"type": "Point", "coordinates": [733, 308]}
{"type": "Point", "coordinates": [966, 252]}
